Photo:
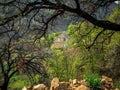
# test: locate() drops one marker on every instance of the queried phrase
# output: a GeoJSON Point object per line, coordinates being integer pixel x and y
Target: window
{"type": "Point", "coordinates": [58, 39]}
{"type": "Point", "coordinates": [64, 39]}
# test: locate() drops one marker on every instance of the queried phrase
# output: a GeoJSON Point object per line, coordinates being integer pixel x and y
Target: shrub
{"type": "Point", "coordinates": [93, 80]}
{"type": "Point", "coordinates": [118, 84]}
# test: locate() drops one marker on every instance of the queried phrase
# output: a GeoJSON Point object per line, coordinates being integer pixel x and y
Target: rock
{"type": "Point", "coordinates": [63, 86]}
{"type": "Point", "coordinates": [24, 88]}
{"type": "Point", "coordinates": [75, 81]}
{"type": "Point", "coordinates": [107, 83]}
{"type": "Point", "coordinates": [82, 87]}
{"type": "Point", "coordinates": [27, 88]}
{"type": "Point", "coordinates": [39, 87]}
{"type": "Point", "coordinates": [83, 82]}
{"type": "Point", "coordinates": [54, 84]}
{"type": "Point", "coordinates": [116, 89]}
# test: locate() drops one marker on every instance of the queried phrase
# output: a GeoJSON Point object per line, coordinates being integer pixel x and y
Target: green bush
{"type": "Point", "coordinates": [118, 84]}
{"type": "Point", "coordinates": [93, 80]}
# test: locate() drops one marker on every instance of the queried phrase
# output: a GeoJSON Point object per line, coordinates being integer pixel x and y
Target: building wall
{"type": "Point", "coordinates": [61, 41]}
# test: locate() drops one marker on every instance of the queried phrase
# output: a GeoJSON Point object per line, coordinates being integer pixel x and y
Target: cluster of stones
{"type": "Point", "coordinates": [106, 84]}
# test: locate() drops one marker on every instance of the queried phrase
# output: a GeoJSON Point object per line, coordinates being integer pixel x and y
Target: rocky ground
{"type": "Point", "coordinates": [106, 84]}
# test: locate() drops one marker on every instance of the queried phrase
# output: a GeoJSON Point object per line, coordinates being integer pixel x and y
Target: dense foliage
{"type": "Point", "coordinates": [91, 50]}
{"type": "Point", "coordinates": [93, 80]}
{"type": "Point", "coordinates": [27, 58]}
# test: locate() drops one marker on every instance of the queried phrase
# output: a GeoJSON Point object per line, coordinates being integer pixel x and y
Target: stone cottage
{"type": "Point", "coordinates": [61, 41]}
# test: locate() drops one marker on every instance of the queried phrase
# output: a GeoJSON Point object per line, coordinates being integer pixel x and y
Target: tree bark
{"type": "Point", "coordinates": [4, 86]}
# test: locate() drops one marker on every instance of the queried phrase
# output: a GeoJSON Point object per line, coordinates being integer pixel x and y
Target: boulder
{"type": "Point", "coordinates": [24, 88]}
{"type": "Point", "coordinates": [64, 86]}
{"type": "Point", "coordinates": [74, 83]}
{"type": "Point", "coordinates": [107, 83]}
{"type": "Point", "coordinates": [54, 84]}
{"type": "Point", "coordinates": [39, 87]}
{"type": "Point", "coordinates": [82, 87]}
{"type": "Point", "coordinates": [27, 88]}
{"type": "Point", "coordinates": [83, 82]}
{"type": "Point", "coordinates": [116, 89]}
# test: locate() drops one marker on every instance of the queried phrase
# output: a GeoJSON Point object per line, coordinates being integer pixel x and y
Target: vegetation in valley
{"type": "Point", "coordinates": [90, 46]}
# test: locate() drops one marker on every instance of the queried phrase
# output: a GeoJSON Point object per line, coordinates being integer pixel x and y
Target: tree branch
{"type": "Point", "coordinates": [8, 3]}
{"type": "Point", "coordinates": [46, 4]}
{"type": "Point", "coordinates": [77, 4]}
{"type": "Point", "coordinates": [95, 39]}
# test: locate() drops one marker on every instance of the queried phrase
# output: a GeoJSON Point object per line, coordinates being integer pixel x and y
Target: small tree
{"type": "Point", "coordinates": [20, 56]}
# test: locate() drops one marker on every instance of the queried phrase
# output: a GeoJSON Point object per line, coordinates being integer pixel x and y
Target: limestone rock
{"type": "Point", "coordinates": [116, 89]}
{"type": "Point", "coordinates": [24, 88]}
{"type": "Point", "coordinates": [82, 87]}
{"type": "Point", "coordinates": [107, 83]}
{"type": "Point", "coordinates": [39, 87]}
{"type": "Point", "coordinates": [83, 82]}
{"type": "Point", "coordinates": [54, 84]}
{"type": "Point", "coordinates": [63, 86]}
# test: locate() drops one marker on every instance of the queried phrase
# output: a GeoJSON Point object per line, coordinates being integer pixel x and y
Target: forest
{"type": "Point", "coordinates": [68, 39]}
